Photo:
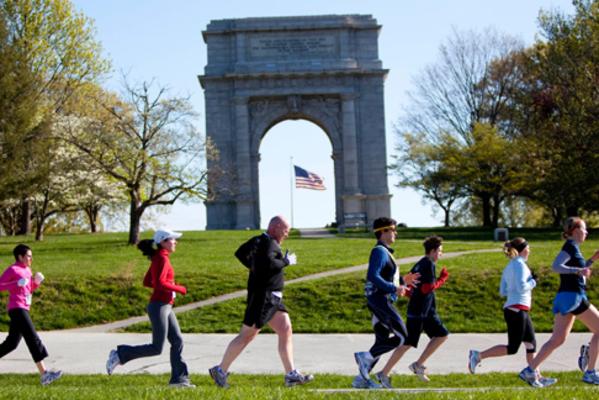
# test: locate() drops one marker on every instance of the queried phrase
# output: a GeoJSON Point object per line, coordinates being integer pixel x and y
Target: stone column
{"type": "Point", "coordinates": [245, 217]}
{"type": "Point", "coordinates": [350, 146]}
{"type": "Point", "coordinates": [354, 213]}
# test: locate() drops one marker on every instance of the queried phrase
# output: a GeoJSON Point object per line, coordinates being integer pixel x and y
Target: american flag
{"type": "Point", "coordinates": [308, 180]}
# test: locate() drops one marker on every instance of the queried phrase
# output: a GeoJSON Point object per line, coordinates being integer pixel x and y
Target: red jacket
{"type": "Point", "coordinates": [161, 277]}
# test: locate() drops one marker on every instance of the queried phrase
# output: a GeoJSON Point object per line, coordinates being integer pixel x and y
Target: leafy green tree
{"type": "Point", "coordinates": [419, 165]}
{"type": "Point", "coordinates": [491, 166]}
{"type": "Point", "coordinates": [466, 87]}
{"type": "Point", "coordinates": [148, 144]}
{"type": "Point", "coordinates": [50, 52]}
{"type": "Point", "coordinates": [557, 109]}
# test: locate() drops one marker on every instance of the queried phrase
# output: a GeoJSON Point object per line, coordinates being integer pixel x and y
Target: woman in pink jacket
{"type": "Point", "coordinates": [18, 281]}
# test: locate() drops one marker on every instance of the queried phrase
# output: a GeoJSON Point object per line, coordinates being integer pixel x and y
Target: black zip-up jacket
{"type": "Point", "coordinates": [269, 262]}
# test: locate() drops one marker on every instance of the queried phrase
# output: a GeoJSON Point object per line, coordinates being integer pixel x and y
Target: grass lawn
{"type": "Point", "coordinates": [469, 302]}
{"type": "Point", "coordinates": [92, 279]}
{"type": "Point", "coordinates": [487, 386]}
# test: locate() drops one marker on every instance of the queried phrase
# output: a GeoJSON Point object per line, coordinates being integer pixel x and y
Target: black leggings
{"type": "Point", "coordinates": [519, 329]}
{"type": "Point", "coordinates": [389, 329]}
{"type": "Point", "coordinates": [22, 327]}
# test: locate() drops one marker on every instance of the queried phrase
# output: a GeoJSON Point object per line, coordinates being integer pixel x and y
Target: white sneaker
{"type": "Point", "coordinates": [296, 378]}
{"type": "Point", "coordinates": [184, 384]}
{"type": "Point", "coordinates": [50, 376]}
{"type": "Point", "coordinates": [547, 381]}
{"type": "Point", "coordinates": [112, 362]}
{"type": "Point", "coordinates": [531, 377]}
{"type": "Point", "coordinates": [420, 371]}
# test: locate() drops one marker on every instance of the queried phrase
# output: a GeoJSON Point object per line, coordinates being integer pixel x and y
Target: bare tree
{"type": "Point", "coordinates": [468, 85]}
{"type": "Point", "coordinates": [148, 143]}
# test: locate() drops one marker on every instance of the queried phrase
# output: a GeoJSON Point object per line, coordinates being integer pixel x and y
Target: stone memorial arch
{"type": "Point", "coordinates": [324, 69]}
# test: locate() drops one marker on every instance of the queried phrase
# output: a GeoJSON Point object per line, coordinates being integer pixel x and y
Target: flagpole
{"type": "Point", "coordinates": [292, 176]}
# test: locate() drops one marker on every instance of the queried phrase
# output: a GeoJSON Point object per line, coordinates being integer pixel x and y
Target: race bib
{"type": "Point", "coordinates": [28, 299]}
{"type": "Point", "coordinates": [396, 277]}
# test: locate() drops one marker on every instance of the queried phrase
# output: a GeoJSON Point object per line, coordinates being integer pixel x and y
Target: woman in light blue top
{"type": "Point", "coordinates": [517, 283]}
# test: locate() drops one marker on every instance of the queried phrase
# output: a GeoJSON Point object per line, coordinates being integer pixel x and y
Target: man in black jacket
{"type": "Point", "coordinates": [265, 304]}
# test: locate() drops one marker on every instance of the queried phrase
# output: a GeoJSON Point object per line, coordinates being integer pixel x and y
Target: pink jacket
{"type": "Point", "coordinates": [19, 297]}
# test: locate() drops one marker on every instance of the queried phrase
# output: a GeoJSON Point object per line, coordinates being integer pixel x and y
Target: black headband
{"type": "Point", "coordinates": [521, 246]}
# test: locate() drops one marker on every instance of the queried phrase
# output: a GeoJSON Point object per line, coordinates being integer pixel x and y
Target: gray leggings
{"type": "Point", "coordinates": [164, 326]}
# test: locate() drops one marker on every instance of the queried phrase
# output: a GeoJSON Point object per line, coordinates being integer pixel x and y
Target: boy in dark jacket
{"type": "Point", "coordinates": [422, 313]}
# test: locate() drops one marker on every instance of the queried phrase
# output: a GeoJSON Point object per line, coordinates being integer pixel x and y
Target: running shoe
{"type": "Point", "coordinates": [184, 384]}
{"type": "Point", "coordinates": [473, 360]}
{"type": "Point", "coordinates": [531, 377]}
{"type": "Point", "coordinates": [294, 377]}
{"type": "Point", "coordinates": [361, 383]}
{"type": "Point", "coordinates": [420, 371]}
{"type": "Point", "coordinates": [219, 376]}
{"type": "Point", "coordinates": [591, 377]}
{"type": "Point", "coordinates": [50, 376]}
{"type": "Point", "coordinates": [384, 380]}
{"type": "Point", "coordinates": [365, 362]}
{"type": "Point", "coordinates": [547, 381]}
{"type": "Point", "coordinates": [112, 362]}
{"type": "Point", "coordinates": [583, 358]}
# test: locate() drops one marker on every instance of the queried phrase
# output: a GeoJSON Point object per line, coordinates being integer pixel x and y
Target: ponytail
{"type": "Point", "coordinates": [147, 248]}
{"type": "Point", "coordinates": [513, 247]}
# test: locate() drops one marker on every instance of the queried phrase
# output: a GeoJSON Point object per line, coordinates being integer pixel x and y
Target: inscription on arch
{"type": "Point", "coordinates": [277, 46]}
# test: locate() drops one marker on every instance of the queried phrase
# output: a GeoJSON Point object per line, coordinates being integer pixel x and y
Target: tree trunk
{"type": "Point", "coordinates": [92, 213]}
{"type": "Point", "coordinates": [496, 203]}
{"type": "Point", "coordinates": [40, 219]}
{"type": "Point", "coordinates": [39, 231]}
{"type": "Point", "coordinates": [486, 210]}
{"type": "Point", "coordinates": [447, 210]}
{"type": "Point", "coordinates": [25, 220]}
{"type": "Point", "coordinates": [556, 213]}
{"type": "Point", "coordinates": [93, 226]}
{"type": "Point", "coordinates": [135, 213]}
{"type": "Point", "coordinates": [572, 211]}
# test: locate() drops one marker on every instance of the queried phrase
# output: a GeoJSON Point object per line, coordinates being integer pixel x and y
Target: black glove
{"type": "Point", "coordinates": [534, 276]}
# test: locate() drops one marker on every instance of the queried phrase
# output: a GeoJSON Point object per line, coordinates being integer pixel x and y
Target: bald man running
{"type": "Point", "coordinates": [265, 304]}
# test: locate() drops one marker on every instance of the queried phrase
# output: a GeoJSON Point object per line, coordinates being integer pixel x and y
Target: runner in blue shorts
{"type": "Point", "coordinates": [571, 302]}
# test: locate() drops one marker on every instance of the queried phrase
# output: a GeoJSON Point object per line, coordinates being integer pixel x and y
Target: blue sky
{"type": "Point", "coordinates": [162, 40]}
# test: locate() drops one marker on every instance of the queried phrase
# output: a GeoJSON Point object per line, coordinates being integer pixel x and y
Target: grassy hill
{"type": "Point", "coordinates": [93, 279]}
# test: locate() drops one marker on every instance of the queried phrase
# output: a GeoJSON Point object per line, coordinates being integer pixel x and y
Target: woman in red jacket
{"type": "Point", "coordinates": [161, 278]}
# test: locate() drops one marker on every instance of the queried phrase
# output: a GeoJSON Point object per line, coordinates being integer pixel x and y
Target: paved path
{"type": "Point", "coordinates": [316, 233]}
{"type": "Point", "coordinates": [112, 326]}
{"type": "Point", "coordinates": [85, 353]}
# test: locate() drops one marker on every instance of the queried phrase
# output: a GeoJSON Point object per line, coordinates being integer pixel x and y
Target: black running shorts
{"type": "Point", "coordinates": [431, 325]}
{"type": "Point", "coordinates": [261, 307]}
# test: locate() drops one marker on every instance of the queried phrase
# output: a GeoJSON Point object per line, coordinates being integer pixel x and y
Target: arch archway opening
{"type": "Point", "coordinates": [305, 144]}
